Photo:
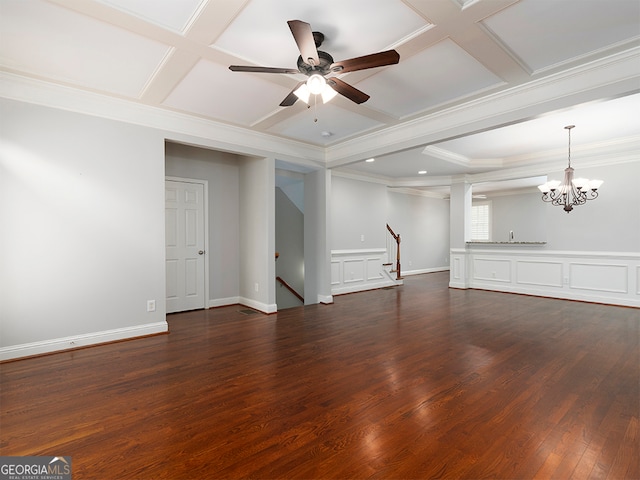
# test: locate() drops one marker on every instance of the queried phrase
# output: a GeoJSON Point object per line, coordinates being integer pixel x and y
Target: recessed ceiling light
{"type": "Point", "coordinates": [369, 160]}
{"type": "Point", "coordinates": [422, 172]}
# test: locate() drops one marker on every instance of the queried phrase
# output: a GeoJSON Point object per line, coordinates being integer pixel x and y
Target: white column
{"type": "Point", "coordinates": [460, 232]}
{"type": "Point", "coordinates": [317, 235]}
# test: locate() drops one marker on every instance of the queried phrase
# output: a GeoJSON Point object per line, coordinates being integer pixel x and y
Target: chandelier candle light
{"type": "Point", "coordinates": [572, 191]}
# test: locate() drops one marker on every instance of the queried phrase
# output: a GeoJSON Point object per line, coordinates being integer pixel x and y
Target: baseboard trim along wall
{"type": "Point", "coordinates": [599, 277]}
{"type": "Point", "coordinates": [325, 299]}
{"type": "Point", "coordinates": [223, 302]}
{"type": "Point", "coordinates": [262, 307]}
{"type": "Point", "coordinates": [78, 341]}
{"type": "Point", "coordinates": [422, 271]}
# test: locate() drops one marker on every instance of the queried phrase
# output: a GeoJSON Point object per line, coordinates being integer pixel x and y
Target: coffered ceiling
{"type": "Point", "coordinates": [454, 56]}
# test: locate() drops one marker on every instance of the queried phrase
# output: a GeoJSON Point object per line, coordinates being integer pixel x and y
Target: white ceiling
{"type": "Point", "coordinates": [174, 55]}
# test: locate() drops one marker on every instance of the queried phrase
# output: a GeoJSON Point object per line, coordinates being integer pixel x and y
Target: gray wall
{"type": "Point", "coordinates": [364, 208]}
{"type": "Point", "coordinates": [423, 225]}
{"type": "Point", "coordinates": [358, 208]}
{"type": "Point", "coordinates": [290, 245]}
{"type": "Point", "coordinates": [317, 237]}
{"type": "Point", "coordinates": [257, 233]}
{"type": "Point", "coordinates": [610, 223]}
{"type": "Point", "coordinates": [81, 224]}
{"type": "Point", "coordinates": [524, 214]}
{"type": "Point", "coordinates": [221, 170]}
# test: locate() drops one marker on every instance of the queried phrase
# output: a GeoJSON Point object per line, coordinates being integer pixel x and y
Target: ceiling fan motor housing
{"type": "Point", "coordinates": [323, 69]}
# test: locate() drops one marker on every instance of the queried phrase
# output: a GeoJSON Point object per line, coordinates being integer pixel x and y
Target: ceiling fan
{"type": "Point", "coordinates": [317, 65]}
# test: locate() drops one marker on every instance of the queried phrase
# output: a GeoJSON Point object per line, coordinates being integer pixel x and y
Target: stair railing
{"type": "Point", "coordinates": [396, 237]}
{"type": "Point", "coordinates": [290, 288]}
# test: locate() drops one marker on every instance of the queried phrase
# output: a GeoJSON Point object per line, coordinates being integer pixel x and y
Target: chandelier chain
{"type": "Point", "coordinates": [569, 127]}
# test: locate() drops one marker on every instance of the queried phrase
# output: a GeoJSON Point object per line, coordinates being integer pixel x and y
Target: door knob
{"type": "Point", "coordinates": [200, 252]}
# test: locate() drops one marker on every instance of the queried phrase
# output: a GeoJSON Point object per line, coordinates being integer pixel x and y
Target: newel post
{"type": "Point", "coordinates": [398, 275]}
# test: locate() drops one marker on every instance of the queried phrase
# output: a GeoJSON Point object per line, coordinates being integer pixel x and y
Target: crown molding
{"type": "Point", "coordinates": [615, 75]}
{"type": "Point", "coordinates": [177, 126]}
{"type": "Point", "coordinates": [419, 193]}
{"type": "Point", "coordinates": [610, 77]}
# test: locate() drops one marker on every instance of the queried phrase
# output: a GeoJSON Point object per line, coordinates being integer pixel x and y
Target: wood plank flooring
{"type": "Point", "coordinates": [419, 381]}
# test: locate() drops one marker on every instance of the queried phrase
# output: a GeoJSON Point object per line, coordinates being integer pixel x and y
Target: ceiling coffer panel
{"type": "Point", "coordinates": [556, 33]}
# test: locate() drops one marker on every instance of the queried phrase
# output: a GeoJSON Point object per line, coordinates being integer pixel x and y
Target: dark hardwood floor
{"type": "Point", "coordinates": [419, 381]}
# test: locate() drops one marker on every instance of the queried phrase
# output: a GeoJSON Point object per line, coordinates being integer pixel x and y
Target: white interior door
{"type": "Point", "coordinates": [185, 242]}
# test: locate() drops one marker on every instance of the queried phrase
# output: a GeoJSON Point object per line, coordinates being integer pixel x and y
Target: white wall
{"type": "Point", "coordinates": [82, 230]}
{"type": "Point", "coordinates": [222, 172]}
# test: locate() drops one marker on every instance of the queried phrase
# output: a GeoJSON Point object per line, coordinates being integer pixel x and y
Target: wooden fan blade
{"type": "Point", "coordinates": [254, 69]}
{"type": "Point", "coordinates": [291, 98]}
{"type": "Point", "coordinates": [343, 88]}
{"type": "Point", "coordinates": [303, 36]}
{"type": "Point", "coordinates": [389, 57]}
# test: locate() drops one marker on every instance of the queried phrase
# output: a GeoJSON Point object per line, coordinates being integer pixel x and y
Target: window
{"type": "Point", "coordinates": [481, 222]}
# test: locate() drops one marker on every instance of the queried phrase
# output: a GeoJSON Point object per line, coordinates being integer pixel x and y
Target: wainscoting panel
{"type": "Point", "coordinates": [353, 270]}
{"type": "Point", "coordinates": [548, 274]}
{"type": "Point", "coordinates": [374, 272]}
{"type": "Point", "coordinates": [457, 273]}
{"type": "Point", "coordinates": [336, 274]}
{"type": "Point", "coordinates": [359, 270]}
{"type": "Point", "coordinates": [600, 277]}
{"type": "Point", "coordinates": [492, 269]}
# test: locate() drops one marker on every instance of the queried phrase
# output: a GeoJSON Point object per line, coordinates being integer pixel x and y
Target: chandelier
{"type": "Point", "coordinates": [572, 191]}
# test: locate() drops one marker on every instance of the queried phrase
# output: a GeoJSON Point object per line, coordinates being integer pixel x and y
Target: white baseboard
{"type": "Point", "coordinates": [262, 307]}
{"type": "Point", "coordinates": [223, 302]}
{"type": "Point", "coordinates": [361, 287]}
{"type": "Point", "coordinates": [76, 341]}
{"type": "Point", "coordinates": [326, 299]}
{"type": "Point", "coordinates": [562, 295]}
{"type": "Point", "coordinates": [406, 273]}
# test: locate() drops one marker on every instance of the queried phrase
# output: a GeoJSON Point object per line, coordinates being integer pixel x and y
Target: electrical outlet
{"type": "Point", "coordinates": [257, 287]}
{"type": "Point", "coordinates": [151, 305]}
{"type": "Point", "coordinates": [362, 238]}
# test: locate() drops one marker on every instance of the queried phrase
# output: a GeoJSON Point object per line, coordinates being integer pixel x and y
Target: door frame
{"type": "Point", "coordinates": [205, 201]}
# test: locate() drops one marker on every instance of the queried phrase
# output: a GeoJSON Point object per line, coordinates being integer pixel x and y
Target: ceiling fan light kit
{"type": "Point", "coordinates": [317, 64]}
{"type": "Point", "coordinates": [571, 192]}
{"type": "Point", "coordinates": [316, 83]}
